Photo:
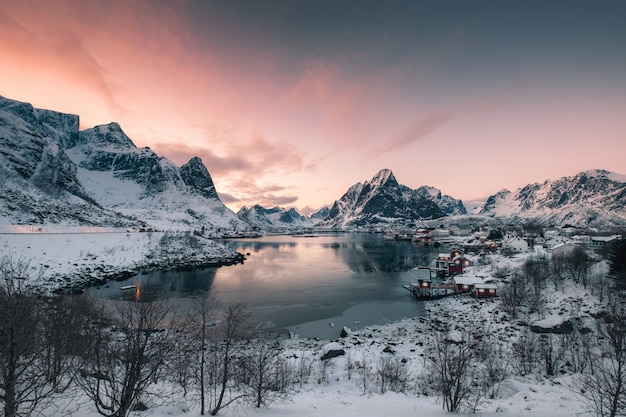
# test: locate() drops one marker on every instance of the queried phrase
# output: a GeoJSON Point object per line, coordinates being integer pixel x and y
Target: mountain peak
{"type": "Point", "coordinates": [384, 176]}
{"type": "Point", "coordinates": [197, 176]}
{"type": "Point", "coordinates": [111, 134]}
{"type": "Point", "coordinates": [276, 219]}
{"type": "Point", "coordinates": [383, 201]}
{"type": "Point", "coordinates": [602, 173]}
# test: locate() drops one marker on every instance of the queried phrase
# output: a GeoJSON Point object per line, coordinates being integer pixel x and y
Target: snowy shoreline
{"type": "Point", "coordinates": [66, 261]}
{"type": "Point", "coordinates": [71, 262]}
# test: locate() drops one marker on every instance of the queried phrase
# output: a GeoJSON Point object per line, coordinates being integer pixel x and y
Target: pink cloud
{"type": "Point", "coordinates": [239, 168]}
{"type": "Point", "coordinates": [350, 107]}
{"type": "Point", "coordinates": [248, 192]}
{"type": "Point", "coordinates": [415, 131]}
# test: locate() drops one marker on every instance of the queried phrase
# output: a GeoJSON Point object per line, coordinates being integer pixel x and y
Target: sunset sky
{"type": "Point", "coordinates": [291, 102]}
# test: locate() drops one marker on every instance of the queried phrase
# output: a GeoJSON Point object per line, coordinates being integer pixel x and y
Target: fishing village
{"type": "Point", "coordinates": [446, 278]}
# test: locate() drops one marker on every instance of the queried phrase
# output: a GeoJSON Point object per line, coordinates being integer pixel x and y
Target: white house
{"type": "Point", "coordinates": [552, 242]}
{"type": "Point", "coordinates": [564, 249]}
{"type": "Point", "coordinates": [515, 244]}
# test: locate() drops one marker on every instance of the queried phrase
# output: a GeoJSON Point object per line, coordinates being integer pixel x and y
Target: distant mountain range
{"type": "Point", "coordinates": [276, 219]}
{"type": "Point", "coordinates": [52, 173]}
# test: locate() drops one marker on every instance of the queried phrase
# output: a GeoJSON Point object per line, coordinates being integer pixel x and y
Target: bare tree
{"type": "Point", "coordinates": [578, 350]}
{"type": "Point", "coordinates": [181, 367]}
{"type": "Point", "coordinates": [557, 268]}
{"type": "Point", "coordinates": [536, 272]}
{"type": "Point", "coordinates": [393, 374]}
{"type": "Point", "coordinates": [605, 389]}
{"type": "Point", "coordinates": [128, 356]}
{"type": "Point", "coordinates": [326, 367]}
{"type": "Point", "coordinates": [24, 380]}
{"type": "Point", "coordinates": [451, 364]}
{"type": "Point", "coordinates": [488, 351]}
{"type": "Point", "coordinates": [617, 264]}
{"type": "Point", "coordinates": [365, 369]}
{"type": "Point", "coordinates": [65, 324]}
{"type": "Point", "coordinates": [349, 365]}
{"type": "Point", "coordinates": [304, 367]}
{"type": "Point", "coordinates": [576, 265]}
{"type": "Point", "coordinates": [203, 326]}
{"type": "Point", "coordinates": [513, 295]}
{"type": "Point", "coordinates": [269, 375]}
{"type": "Point", "coordinates": [525, 353]}
{"type": "Point", "coordinates": [599, 282]}
{"type": "Point", "coordinates": [550, 352]}
{"type": "Point", "coordinates": [234, 328]}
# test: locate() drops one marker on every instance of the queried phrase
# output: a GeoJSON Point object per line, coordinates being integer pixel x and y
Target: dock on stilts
{"type": "Point", "coordinates": [426, 290]}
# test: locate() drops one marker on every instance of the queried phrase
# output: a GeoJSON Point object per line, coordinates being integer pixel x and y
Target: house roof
{"type": "Point", "coordinates": [465, 280]}
{"type": "Point", "coordinates": [605, 238]}
{"type": "Point", "coordinates": [486, 286]}
{"type": "Point", "coordinates": [563, 245]}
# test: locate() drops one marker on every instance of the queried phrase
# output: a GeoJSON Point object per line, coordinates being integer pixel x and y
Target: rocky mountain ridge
{"type": "Point", "coordinates": [594, 198]}
{"type": "Point", "coordinates": [52, 173]}
{"type": "Point", "coordinates": [38, 182]}
{"type": "Point", "coordinates": [383, 201]}
{"type": "Point", "coordinates": [274, 220]}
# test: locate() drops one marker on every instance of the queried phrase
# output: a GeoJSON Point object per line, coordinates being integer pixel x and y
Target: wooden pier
{"type": "Point", "coordinates": [426, 290]}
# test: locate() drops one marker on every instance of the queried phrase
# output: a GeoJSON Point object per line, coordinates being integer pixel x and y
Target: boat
{"type": "Point", "coordinates": [128, 287]}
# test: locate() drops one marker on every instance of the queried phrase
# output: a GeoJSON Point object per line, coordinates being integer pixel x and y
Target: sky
{"type": "Point", "coordinates": [289, 103]}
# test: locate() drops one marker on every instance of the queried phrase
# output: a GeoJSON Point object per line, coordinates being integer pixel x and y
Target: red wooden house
{"type": "Point", "coordinates": [484, 290]}
{"type": "Point", "coordinates": [455, 253]}
{"type": "Point", "coordinates": [465, 284]}
{"type": "Point", "coordinates": [462, 260]}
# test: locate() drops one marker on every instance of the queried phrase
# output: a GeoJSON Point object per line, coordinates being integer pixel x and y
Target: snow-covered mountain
{"type": "Point", "coordinates": [276, 219]}
{"type": "Point", "coordinates": [320, 215]}
{"type": "Point", "coordinates": [595, 198]}
{"type": "Point", "coordinates": [137, 182]}
{"type": "Point", "coordinates": [383, 201]}
{"type": "Point", "coordinates": [52, 173]}
{"type": "Point", "coordinates": [39, 183]}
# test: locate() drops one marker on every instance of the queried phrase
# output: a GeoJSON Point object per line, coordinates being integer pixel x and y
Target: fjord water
{"type": "Point", "coordinates": [311, 286]}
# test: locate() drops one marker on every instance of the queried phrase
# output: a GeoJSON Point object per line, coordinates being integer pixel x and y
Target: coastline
{"type": "Point", "coordinates": [69, 263]}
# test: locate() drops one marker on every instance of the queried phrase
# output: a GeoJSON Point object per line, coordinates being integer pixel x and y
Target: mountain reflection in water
{"type": "Point", "coordinates": [301, 284]}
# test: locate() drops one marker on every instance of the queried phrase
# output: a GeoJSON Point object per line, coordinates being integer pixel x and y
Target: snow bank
{"type": "Point", "coordinates": [74, 260]}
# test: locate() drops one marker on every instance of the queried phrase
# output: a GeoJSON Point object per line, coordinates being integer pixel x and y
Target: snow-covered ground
{"type": "Point", "coordinates": [344, 396]}
{"type": "Point", "coordinates": [67, 260]}
{"type": "Point", "coordinates": [55, 257]}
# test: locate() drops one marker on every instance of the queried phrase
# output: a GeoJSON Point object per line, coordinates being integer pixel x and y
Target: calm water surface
{"type": "Point", "coordinates": [312, 286]}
